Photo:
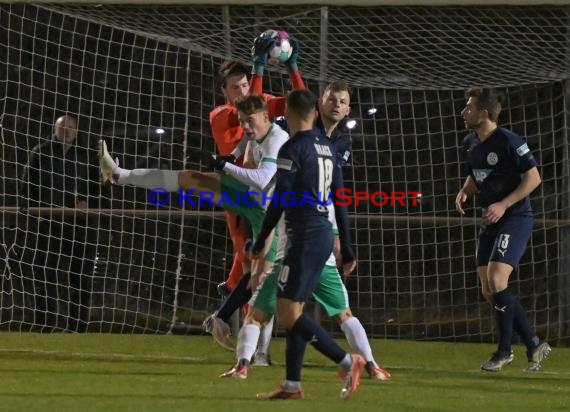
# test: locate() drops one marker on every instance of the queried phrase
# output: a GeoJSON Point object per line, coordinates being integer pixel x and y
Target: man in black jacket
{"type": "Point", "coordinates": [58, 176]}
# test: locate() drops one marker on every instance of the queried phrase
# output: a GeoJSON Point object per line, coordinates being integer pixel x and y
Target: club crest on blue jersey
{"type": "Point", "coordinates": [492, 158]}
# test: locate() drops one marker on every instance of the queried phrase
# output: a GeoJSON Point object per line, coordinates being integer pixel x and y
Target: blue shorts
{"type": "Point", "coordinates": [505, 241]}
{"type": "Point", "coordinates": [308, 249]}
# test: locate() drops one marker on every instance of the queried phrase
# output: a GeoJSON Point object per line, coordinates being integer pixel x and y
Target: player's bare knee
{"type": "Point", "coordinates": [344, 315]}
{"type": "Point", "coordinates": [482, 272]}
{"type": "Point", "coordinates": [498, 274]}
{"type": "Point", "coordinates": [186, 179]}
{"type": "Point", "coordinates": [252, 321]}
{"type": "Point", "coordinates": [497, 282]}
{"type": "Point", "coordinates": [256, 317]}
{"type": "Point", "coordinates": [288, 312]}
{"type": "Point", "coordinates": [496, 287]}
{"type": "Point", "coordinates": [486, 291]}
{"type": "Point", "coordinates": [487, 294]}
{"type": "Point", "coordinates": [286, 320]}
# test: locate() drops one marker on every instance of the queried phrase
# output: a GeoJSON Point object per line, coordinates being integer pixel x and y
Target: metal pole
{"type": "Point", "coordinates": [323, 53]}
{"type": "Point", "coordinates": [564, 234]}
{"type": "Point", "coordinates": [564, 252]}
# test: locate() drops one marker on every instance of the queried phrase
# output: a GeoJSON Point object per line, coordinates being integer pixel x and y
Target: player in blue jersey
{"type": "Point", "coordinates": [307, 173]}
{"type": "Point", "coordinates": [333, 110]}
{"type": "Point", "coordinates": [333, 107]}
{"type": "Point", "coordinates": [504, 172]}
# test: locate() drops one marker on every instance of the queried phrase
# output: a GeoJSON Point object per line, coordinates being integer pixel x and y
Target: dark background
{"type": "Point", "coordinates": [127, 70]}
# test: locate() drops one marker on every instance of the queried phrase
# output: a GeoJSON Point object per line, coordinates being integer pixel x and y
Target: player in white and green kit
{"type": "Point", "coordinates": [330, 293]}
{"type": "Point", "coordinates": [233, 190]}
{"type": "Point", "coordinates": [229, 191]}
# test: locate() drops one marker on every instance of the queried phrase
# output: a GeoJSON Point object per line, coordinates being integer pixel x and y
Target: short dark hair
{"type": "Point", "coordinates": [487, 99]}
{"type": "Point", "coordinates": [302, 102]}
{"type": "Point", "coordinates": [232, 68]}
{"type": "Point", "coordinates": [338, 86]}
{"type": "Point", "coordinates": [251, 103]}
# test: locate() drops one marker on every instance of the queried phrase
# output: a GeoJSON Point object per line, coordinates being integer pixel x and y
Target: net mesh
{"type": "Point", "coordinates": [409, 47]}
{"type": "Point", "coordinates": [127, 71]}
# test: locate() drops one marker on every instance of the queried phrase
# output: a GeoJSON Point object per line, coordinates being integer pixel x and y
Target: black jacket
{"type": "Point", "coordinates": [55, 179]}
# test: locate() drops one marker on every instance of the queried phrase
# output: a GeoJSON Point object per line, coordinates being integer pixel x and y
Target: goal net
{"type": "Point", "coordinates": [144, 77]}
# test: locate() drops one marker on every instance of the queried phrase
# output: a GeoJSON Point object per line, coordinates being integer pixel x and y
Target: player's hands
{"type": "Point", "coordinates": [495, 212]}
{"type": "Point", "coordinates": [221, 161]}
{"type": "Point", "coordinates": [460, 199]}
{"type": "Point", "coordinates": [217, 162]}
{"type": "Point", "coordinates": [260, 50]}
{"type": "Point", "coordinates": [291, 63]}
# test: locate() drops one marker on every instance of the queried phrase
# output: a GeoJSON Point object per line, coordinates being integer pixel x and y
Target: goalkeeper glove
{"type": "Point", "coordinates": [260, 52]}
{"type": "Point", "coordinates": [291, 63]}
{"type": "Point", "coordinates": [217, 162]}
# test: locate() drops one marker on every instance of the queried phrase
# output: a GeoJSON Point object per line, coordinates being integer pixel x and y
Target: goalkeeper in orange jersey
{"type": "Point", "coordinates": [228, 134]}
{"type": "Point", "coordinates": [235, 82]}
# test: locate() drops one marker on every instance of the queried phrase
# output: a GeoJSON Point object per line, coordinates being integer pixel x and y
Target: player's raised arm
{"type": "Point", "coordinates": [292, 65]}
{"type": "Point", "coordinates": [262, 47]}
{"type": "Point", "coordinates": [260, 55]}
{"type": "Point", "coordinates": [277, 103]}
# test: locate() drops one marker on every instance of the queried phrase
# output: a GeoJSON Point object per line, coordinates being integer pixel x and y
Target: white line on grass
{"type": "Point", "coordinates": [102, 355]}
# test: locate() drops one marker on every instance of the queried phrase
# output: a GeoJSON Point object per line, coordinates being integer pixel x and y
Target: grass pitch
{"type": "Point", "coordinates": [108, 372]}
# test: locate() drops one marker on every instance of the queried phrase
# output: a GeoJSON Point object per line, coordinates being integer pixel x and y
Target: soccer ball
{"type": "Point", "coordinates": [281, 50]}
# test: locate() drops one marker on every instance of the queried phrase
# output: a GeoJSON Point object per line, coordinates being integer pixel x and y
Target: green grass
{"type": "Point", "coordinates": [104, 372]}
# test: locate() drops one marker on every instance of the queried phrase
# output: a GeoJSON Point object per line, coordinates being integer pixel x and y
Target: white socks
{"type": "Point", "coordinates": [356, 337]}
{"type": "Point", "coordinates": [148, 178]}
{"type": "Point", "coordinates": [247, 341]}
{"type": "Point", "coordinates": [265, 337]}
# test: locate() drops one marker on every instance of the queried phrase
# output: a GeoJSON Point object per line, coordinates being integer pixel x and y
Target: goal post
{"type": "Point", "coordinates": [144, 77]}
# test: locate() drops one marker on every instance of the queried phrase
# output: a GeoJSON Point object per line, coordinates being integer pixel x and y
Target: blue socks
{"type": "Point", "coordinates": [304, 331]}
{"type": "Point", "coordinates": [504, 305]}
{"type": "Point", "coordinates": [523, 328]}
{"type": "Point", "coordinates": [239, 297]}
{"type": "Point", "coordinates": [511, 315]}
